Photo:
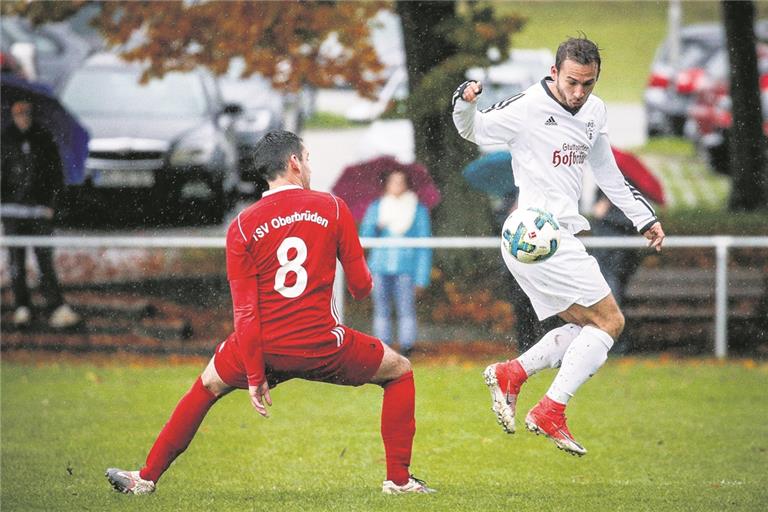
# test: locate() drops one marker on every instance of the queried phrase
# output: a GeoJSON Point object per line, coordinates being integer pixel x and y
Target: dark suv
{"type": "Point", "coordinates": [159, 151]}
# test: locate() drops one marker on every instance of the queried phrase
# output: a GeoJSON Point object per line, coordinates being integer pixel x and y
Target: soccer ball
{"type": "Point", "coordinates": [530, 235]}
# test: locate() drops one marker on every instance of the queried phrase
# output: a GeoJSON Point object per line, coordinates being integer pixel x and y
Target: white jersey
{"type": "Point", "coordinates": [551, 146]}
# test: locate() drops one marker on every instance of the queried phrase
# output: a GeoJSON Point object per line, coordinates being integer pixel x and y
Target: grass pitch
{"type": "Point", "coordinates": [661, 435]}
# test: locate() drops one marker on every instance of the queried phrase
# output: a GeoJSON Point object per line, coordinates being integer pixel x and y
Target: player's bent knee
{"type": "Point", "coordinates": [611, 321]}
{"type": "Point", "coordinates": [393, 365]}
{"type": "Point", "coordinates": [614, 325]}
{"type": "Point", "coordinates": [620, 324]}
{"type": "Point", "coordinates": [404, 365]}
{"type": "Point", "coordinates": [212, 382]}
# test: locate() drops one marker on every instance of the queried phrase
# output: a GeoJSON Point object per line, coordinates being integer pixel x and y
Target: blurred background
{"type": "Point", "coordinates": [174, 96]}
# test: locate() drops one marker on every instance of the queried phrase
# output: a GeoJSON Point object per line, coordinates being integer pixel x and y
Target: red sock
{"type": "Point", "coordinates": [179, 431]}
{"type": "Point", "coordinates": [398, 426]}
{"type": "Point", "coordinates": [513, 374]}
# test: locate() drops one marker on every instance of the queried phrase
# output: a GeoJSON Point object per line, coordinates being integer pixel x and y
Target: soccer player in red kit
{"type": "Point", "coordinates": [281, 264]}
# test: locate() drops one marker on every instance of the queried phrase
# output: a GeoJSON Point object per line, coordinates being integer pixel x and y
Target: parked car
{"type": "Point", "coordinates": [523, 68]}
{"type": "Point", "coordinates": [395, 88]}
{"type": "Point", "coordinates": [158, 151]}
{"type": "Point", "coordinates": [671, 91]}
{"type": "Point", "coordinates": [264, 109]}
{"type": "Point", "coordinates": [710, 116]}
{"type": "Point", "coordinates": [47, 53]}
{"type": "Point", "coordinates": [386, 33]}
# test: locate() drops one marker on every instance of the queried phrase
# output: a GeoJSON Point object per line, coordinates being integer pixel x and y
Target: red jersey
{"type": "Point", "coordinates": [281, 264]}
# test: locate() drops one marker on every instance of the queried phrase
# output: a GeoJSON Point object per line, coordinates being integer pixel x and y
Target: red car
{"type": "Point", "coordinates": [670, 89]}
{"type": "Point", "coordinates": [710, 116]}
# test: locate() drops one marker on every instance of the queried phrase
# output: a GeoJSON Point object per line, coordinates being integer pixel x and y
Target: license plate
{"type": "Point", "coordinates": [128, 179]}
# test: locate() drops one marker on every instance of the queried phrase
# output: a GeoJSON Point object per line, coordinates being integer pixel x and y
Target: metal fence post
{"type": "Point", "coordinates": [721, 296]}
{"type": "Point", "coordinates": [339, 287]}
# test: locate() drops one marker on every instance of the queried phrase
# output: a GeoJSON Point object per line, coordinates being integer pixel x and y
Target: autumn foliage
{"type": "Point", "coordinates": [292, 43]}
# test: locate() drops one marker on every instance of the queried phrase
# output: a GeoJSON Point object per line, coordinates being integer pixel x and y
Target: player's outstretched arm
{"type": "Point", "coordinates": [259, 397]}
{"type": "Point", "coordinates": [655, 235]}
{"type": "Point", "coordinates": [245, 300]}
{"type": "Point", "coordinates": [498, 124]}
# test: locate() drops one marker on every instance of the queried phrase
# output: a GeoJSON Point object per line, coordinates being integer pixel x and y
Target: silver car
{"type": "Point", "coordinates": [159, 151]}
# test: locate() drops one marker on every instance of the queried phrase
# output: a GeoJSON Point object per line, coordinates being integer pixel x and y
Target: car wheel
{"type": "Point", "coordinates": [217, 205]}
{"type": "Point", "coordinates": [168, 208]}
{"type": "Point", "coordinates": [719, 158]}
{"type": "Point", "coordinates": [677, 125]}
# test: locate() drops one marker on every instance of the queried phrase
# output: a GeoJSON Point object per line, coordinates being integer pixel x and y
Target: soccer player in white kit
{"type": "Point", "coordinates": [554, 130]}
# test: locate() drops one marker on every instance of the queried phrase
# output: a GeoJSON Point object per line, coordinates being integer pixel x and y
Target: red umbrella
{"type": "Point", "coordinates": [641, 177]}
{"type": "Point", "coordinates": [360, 184]}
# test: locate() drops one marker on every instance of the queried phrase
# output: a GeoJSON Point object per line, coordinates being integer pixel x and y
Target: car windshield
{"type": "Point", "coordinates": [15, 32]}
{"type": "Point", "coordinates": [106, 91]}
{"type": "Point", "coordinates": [696, 55]}
{"type": "Point", "coordinates": [694, 52]}
{"type": "Point", "coordinates": [255, 91]}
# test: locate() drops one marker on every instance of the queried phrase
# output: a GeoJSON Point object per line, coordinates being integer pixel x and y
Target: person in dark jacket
{"type": "Point", "coordinates": [30, 181]}
{"type": "Point", "coordinates": [618, 265]}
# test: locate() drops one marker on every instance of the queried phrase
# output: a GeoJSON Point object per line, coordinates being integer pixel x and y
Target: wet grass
{"type": "Point", "coordinates": [662, 435]}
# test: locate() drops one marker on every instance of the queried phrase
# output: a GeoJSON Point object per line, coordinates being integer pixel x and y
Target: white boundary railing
{"type": "Point", "coordinates": [721, 244]}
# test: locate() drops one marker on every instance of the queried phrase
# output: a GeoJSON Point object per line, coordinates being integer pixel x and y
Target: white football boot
{"type": "Point", "coordinates": [129, 482]}
{"type": "Point", "coordinates": [64, 317]}
{"type": "Point", "coordinates": [413, 485]}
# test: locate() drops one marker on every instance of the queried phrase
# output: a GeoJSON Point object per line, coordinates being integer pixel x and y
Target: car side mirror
{"type": "Point", "coordinates": [232, 109]}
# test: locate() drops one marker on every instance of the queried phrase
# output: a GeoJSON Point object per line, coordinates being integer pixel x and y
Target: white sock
{"type": "Point", "coordinates": [548, 351]}
{"type": "Point", "coordinates": [583, 358]}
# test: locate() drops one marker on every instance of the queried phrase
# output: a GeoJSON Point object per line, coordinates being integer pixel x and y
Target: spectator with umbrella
{"type": "Point", "coordinates": [399, 273]}
{"type": "Point", "coordinates": [618, 265]}
{"type": "Point", "coordinates": [70, 137]}
{"type": "Point", "coordinates": [31, 180]}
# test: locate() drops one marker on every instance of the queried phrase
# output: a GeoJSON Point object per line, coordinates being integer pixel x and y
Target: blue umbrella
{"type": "Point", "coordinates": [70, 137]}
{"type": "Point", "coordinates": [492, 174]}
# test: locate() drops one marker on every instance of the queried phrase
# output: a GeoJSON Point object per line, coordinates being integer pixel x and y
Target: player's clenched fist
{"type": "Point", "coordinates": [472, 91]}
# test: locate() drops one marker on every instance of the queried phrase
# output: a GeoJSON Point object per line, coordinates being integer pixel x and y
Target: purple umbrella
{"type": "Point", "coordinates": [360, 184]}
{"type": "Point", "coordinates": [70, 137]}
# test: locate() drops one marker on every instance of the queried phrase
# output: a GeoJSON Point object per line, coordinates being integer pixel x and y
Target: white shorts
{"type": "Point", "coordinates": [569, 277]}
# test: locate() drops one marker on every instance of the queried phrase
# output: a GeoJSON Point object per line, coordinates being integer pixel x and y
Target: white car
{"type": "Point", "coordinates": [522, 69]}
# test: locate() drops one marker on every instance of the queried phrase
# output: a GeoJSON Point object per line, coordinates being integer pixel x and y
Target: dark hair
{"type": "Point", "coordinates": [579, 49]}
{"type": "Point", "coordinates": [271, 154]}
{"type": "Point", "coordinates": [384, 177]}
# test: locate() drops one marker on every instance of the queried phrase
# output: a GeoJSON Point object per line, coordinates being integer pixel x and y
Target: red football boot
{"type": "Point", "coordinates": [504, 381]}
{"type": "Point", "coordinates": [548, 418]}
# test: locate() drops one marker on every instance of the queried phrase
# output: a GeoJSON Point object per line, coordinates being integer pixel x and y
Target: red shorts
{"type": "Point", "coordinates": [354, 364]}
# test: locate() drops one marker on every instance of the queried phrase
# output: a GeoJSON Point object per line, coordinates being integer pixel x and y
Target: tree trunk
{"type": "Point", "coordinates": [420, 21]}
{"type": "Point", "coordinates": [434, 70]}
{"type": "Point", "coordinates": [747, 142]}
